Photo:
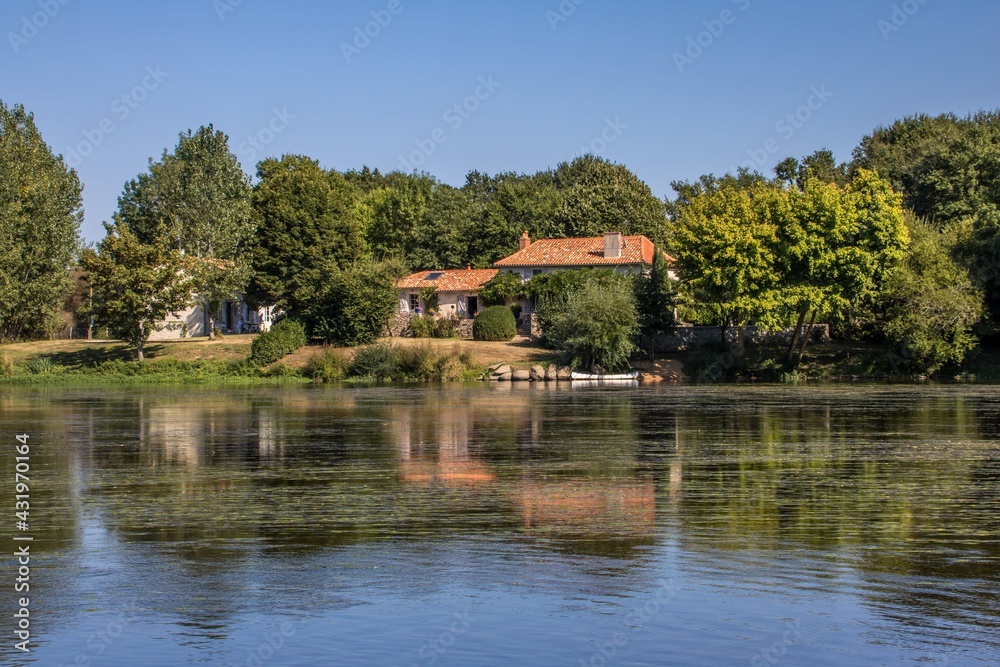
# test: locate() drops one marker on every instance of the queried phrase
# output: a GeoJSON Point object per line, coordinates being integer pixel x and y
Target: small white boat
{"type": "Point", "coordinates": [606, 377]}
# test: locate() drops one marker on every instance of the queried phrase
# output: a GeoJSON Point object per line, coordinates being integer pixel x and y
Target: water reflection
{"type": "Point", "coordinates": [203, 495]}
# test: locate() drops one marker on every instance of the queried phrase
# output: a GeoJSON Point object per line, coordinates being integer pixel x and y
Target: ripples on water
{"type": "Point", "coordinates": [513, 525]}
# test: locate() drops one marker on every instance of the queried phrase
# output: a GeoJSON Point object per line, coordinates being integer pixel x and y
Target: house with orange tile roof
{"type": "Point", "coordinates": [625, 254]}
{"type": "Point", "coordinates": [456, 291]}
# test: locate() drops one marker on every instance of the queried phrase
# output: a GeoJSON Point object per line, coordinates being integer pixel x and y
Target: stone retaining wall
{"type": "Point", "coordinates": [692, 338]}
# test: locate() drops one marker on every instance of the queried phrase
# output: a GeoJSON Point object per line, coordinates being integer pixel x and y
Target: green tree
{"type": "Point", "coordinates": [931, 304]}
{"type": "Point", "coordinates": [597, 325]}
{"type": "Point", "coordinates": [440, 236]}
{"type": "Point", "coordinates": [656, 296]}
{"type": "Point", "coordinates": [837, 246]}
{"type": "Point", "coordinates": [307, 219]}
{"type": "Point", "coordinates": [135, 284]}
{"type": "Point", "coordinates": [948, 169]}
{"type": "Point", "coordinates": [199, 198]}
{"type": "Point", "coordinates": [390, 214]}
{"type": "Point", "coordinates": [40, 215]}
{"type": "Point", "coordinates": [600, 196]}
{"type": "Point", "coordinates": [356, 302]}
{"type": "Point", "coordinates": [726, 240]}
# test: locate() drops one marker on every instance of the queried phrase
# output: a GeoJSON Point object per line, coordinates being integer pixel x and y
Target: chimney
{"type": "Point", "coordinates": [612, 245]}
{"type": "Point", "coordinates": [524, 242]}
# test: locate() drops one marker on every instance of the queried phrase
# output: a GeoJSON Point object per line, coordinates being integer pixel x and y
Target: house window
{"type": "Point", "coordinates": [535, 272]}
{"type": "Point", "coordinates": [414, 303]}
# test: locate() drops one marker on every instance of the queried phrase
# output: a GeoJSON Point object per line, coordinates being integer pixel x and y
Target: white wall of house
{"type": "Point", "coordinates": [188, 323]}
{"type": "Point", "coordinates": [234, 317]}
{"type": "Point", "coordinates": [449, 303]}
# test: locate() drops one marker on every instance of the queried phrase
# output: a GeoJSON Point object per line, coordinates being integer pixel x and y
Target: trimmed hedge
{"type": "Point", "coordinates": [495, 323]}
{"type": "Point", "coordinates": [283, 338]}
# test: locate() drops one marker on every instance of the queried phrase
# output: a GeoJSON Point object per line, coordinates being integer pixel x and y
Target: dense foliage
{"type": "Point", "coordinates": [657, 297]}
{"type": "Point", "coordinates": [821, 241]}
{"type": "Point", "coordinates": [596, 324]}
{"type": "Point", "coordinates": [198, 199]}
{"type": "Point", "coordinates": [503, 288]}
{"type": "Point", "coordinates": [307, 220]}
{"type": "Point", "coordinates": [765, 253]}
{"type": "Point", "coordinates": [355, 303]}
{"type": "Point", "coordinates": [494, 323]}
{"type": "Point", "coordinates": [282, 339]}
{"type": "Point", "coordinates": [136, 285]}
{"type": "Point", "coordinates": [930, 304]}
{"type": "Point", "coordinates": [948, 171]}
{"type": "Point", "coordinates": [40, 215]}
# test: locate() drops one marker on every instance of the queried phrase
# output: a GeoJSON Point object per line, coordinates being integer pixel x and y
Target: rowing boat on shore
{"type": "Point", "coordinates": [606, 377]}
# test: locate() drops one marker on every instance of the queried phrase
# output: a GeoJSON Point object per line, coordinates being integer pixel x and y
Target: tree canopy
{"type": "Point", "coordinates": [40, 216]}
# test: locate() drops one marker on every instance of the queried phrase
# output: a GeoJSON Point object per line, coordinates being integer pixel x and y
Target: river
{"type": "Point", "coordinates": [506, 525]}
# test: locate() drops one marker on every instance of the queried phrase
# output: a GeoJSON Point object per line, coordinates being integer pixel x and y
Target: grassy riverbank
{"type": "Point", "coordinates": [224, 361]}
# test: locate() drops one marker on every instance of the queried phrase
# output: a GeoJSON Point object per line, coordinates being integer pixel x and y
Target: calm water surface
{"type": "Point", "coordinates": [508, 526]}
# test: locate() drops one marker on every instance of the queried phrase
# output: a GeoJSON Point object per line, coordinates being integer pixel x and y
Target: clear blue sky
{"type": "Point", "coordinates": [555, 83]}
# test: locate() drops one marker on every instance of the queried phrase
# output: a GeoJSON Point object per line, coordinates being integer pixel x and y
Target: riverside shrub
{"type": "Point", "coordinates": [283, 338]}
{"type": "Point", "coordinates": [495, 323]}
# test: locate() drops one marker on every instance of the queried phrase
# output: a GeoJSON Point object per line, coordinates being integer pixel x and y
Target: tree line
{"type": "Point", "coordinates": [899, 244]}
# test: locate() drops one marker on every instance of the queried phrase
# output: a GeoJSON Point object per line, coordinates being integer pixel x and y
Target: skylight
{"type": "Point", "coordinates": [433, 276]}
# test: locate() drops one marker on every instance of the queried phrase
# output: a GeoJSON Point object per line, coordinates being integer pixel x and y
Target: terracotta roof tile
{"type": "Point", "coordinates": [452, 280]}
{"type": "Point", "coordinates": [586, 251]}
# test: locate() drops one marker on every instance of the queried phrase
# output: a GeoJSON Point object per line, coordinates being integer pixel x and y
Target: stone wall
{"type": "Point", "coordinates": [691, 338]}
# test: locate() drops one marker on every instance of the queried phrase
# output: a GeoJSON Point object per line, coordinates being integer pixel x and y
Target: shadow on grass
{"type": "Point", "coordinates": [93, 356]}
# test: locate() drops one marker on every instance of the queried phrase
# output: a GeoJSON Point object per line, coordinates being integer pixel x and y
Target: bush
{"type": "Point", "coordinates": [596, 324]}
{"type": "Point", "coordinates": [495, 323]}
{"type": "Point", "coordinates": [283, 338]}
{"type": "Point", "coordinates": [356, 303]}
{"type": "Point", "coordinates": [38, 365]}
{"type": "Point", "coordinates": [930, 305]}
{"type": "Point", "coordinates": [6, 365]}
{"type": "Point", "coordinates": [386, 362]}
{"type": "Point", "coordinates": [328, 366]}
{"type": "Point", "coordinates": [422, 326]}
{"type": "Point", "coordinates": [446, 327]}
{"type": "Point", "coordinates": [378, 362]}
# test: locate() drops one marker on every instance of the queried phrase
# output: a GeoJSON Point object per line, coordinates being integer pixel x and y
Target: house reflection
{"type": "Point", "coordinates": [436, 451]}
{"type": "Point", "coordinates": [445, 445]}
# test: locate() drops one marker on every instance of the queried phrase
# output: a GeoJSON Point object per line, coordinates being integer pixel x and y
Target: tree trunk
{"type": "Point", "coordinates": [138, 344]}
{"type": "Point", "coordinates": [741, 340]}
{"type": "Point", "coordinates": [90, 321]}
{"type": "Point", "coordinates": [795, 335]}
{"type": "Point", "coordinates": [211, 326]}
{"type": "Point", "coordinates": [808, 334]}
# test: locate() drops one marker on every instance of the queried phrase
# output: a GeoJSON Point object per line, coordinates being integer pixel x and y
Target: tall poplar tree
{"type": "Point", "coordinates": [40, 216]}
{"type": "Point", "coordinates": [199, 200]}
